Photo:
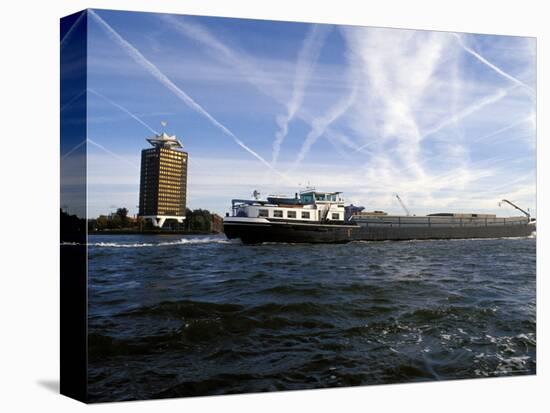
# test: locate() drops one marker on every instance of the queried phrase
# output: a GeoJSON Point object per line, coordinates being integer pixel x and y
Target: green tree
{"type": "Point", "coordinates": [102, 222]}
{"type": "Point", "coordinates": [198, 223]}
{"type": "Point", "coordinates": [198, 220]}
{"type": "Point", "coordinates": [122, 215]}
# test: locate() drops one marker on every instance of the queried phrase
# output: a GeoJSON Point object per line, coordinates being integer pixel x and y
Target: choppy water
{"type": "Point", "coordinates": [183, 316]}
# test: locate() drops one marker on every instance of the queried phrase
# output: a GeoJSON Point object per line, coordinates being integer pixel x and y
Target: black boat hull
{"type": "Point", "coordinates": [254, 233]}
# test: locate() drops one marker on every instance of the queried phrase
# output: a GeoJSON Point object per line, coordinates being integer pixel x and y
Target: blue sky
{"type": "Point", "coordinates": [446, 120]}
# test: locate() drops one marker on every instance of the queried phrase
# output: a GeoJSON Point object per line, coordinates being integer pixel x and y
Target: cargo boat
{"type": "Point", "coordinates": [313, 216]}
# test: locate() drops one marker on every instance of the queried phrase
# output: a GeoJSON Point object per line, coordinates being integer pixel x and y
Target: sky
{"type": "Point", "coordinates": [446, 120]}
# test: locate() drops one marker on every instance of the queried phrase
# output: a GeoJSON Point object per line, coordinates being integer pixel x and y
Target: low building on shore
{"type": "Point", "coordinates": [216, 224]}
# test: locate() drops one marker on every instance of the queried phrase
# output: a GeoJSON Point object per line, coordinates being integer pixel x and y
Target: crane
{"type": "Point", "coordinates": [515, 206]}
{"type": "Point", "coordinates": [403, 205]}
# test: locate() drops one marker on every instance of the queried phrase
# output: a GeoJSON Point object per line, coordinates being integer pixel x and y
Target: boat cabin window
{"type": "Point", "coordinates": [263, 213]}
{"type": "Point", "coordinates": [277, 213]}
{"type": "Point", "coordinates": [336, 216]}
{"type": "Point", "coordinates": [291, 214]}
{"type": "Point", "coordinates": [306, 198]}
{"type": "Point", "coordinates": [325, 197]}
{"type": "Point", "coordinates": [305, 215]}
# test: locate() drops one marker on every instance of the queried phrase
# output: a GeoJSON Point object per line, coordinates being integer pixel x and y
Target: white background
{"type": "Point", "coordinates": [29, 202]}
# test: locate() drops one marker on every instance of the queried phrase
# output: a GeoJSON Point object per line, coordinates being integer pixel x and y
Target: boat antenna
{"type": "Point", "coordinates": [527, 214]}
{"type": "Point", "coordinates": [403, 205]}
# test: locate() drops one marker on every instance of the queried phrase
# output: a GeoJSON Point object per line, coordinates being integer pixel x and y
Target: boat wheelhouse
{"type": "Point", "coordinates": [307, 206]}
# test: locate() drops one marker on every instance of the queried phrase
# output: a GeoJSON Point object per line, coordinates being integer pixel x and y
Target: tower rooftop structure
{"type": "Point", "coordinates": [163, 140]}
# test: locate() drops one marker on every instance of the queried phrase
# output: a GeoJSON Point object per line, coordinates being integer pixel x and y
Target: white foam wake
{"type": "Point", "coordinates": [181, 241]}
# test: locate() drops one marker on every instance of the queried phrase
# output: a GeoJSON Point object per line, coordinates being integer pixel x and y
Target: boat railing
{"type": "Point", "coordinates": [429, 222]}
{"type": "Point", "coordinates": [235, 202]}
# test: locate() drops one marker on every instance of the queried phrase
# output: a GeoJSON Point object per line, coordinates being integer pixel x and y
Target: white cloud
{"type": "Point", "coordinates": [474, 107]}
{"type": "Point", "coordinates": [163, 79]}
{"type": "Point", "coordinates": [213, 182]}
{"type": "Point", "coordinates": [405, 87]}
{"type": "Point", "coordinates": [320, 124]}
{"type": "Point", "coordinates": [270, 83]}
{"type": "Point", "coordinates": [414, 85]}
{"type": "Point", "coordinates": [311, 48]}
{"type": "Point", "coordinates": [122, 108]}
{"type": "Point", "coordinates": [491, 65]}
{"type": "Point", "coordinates": [396, 68]}
{"type": "Point", "coordinates": [68, 34]}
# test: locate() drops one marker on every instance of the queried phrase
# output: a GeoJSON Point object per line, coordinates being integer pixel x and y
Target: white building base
{"type": "Point", "coordinates": [159, 220]}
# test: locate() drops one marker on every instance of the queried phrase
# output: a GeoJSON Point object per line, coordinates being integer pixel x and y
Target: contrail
{"type": "Point", "coordinates": [504, 129]}
{"type": "Point", "coordinates": [103, 148]}
{"type": "Point", "coordinates": [491, 65]}
{"type": "Point", "coordinates": [122, 108]}
{"type": "Point", "coordinates": [74, 149]}
{"type": "Point", "coordinates": [307, 58]}
{"type": "Point", "coordinates": [469, 110]}
{"type": "Point", "coordinates": [365, 146]}
{"type": "Point", "coordinates": [241, 63]}
{"type": "Point", "coordinates": [67, 36]}
{"type": "Point", "coordinates": [200, 34]}
{"type": "Point", "coordinates": [162, 78]}
{"type": "Point", "coordinates": [72, 100]}
{"type": "Point", "coordinates": [321, 124]}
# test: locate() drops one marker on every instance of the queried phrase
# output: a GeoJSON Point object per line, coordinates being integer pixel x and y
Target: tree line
{"type": "Point", "coordinates": [196, 220]}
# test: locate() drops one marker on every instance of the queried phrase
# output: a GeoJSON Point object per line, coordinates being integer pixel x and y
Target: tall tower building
{"type": "Point", "coordinates": [163, 183]}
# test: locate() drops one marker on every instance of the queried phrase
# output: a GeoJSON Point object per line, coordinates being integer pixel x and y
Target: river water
{"type": "Point", "coordinates": [171, 315]}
